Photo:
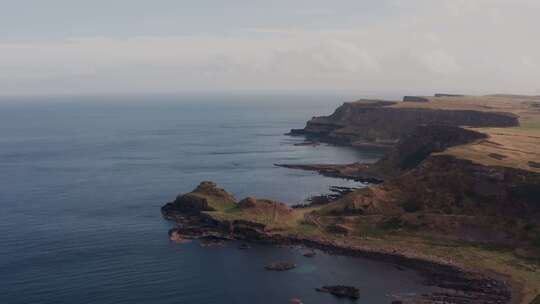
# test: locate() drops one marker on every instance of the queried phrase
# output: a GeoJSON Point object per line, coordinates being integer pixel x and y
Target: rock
{"type": "Point", "coordinates": [280, 266]}
{"type": "Point", "coordinates": [176, 237]}
{"type": "Point", "coordinates": [264, 206]}
{"type": "Point", "coordinates": [497, 156]}
{"type": "Point", "coordinates": [310, 254]}
{"type": "Point", "coordinates": [244, 246]}
{"type": "Point", "coordinates": [338, 229]}
{"type": "Point", "coordinates": [341, 291]}
{"type": "Point", "coordinates": [448, 95]}
{"type": "Point", "coordinates": [533, 164]}
{"type": "Point", "coordinates": [248, 202]}
{"type": "Point", "coordinates": [206, 197]}
{"type": "Point", "coordinates": [248, 229]}
{"type": "Point", "coordinates": [308, 143]}
{"type": "Point", "coordinates": [296, 301]}
{"type": "Point", "coordinates": [415, 99]}
{"type": "Point", "coordinates": [212, 243]}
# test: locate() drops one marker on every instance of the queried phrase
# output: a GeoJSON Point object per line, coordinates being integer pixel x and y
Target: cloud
{"type": "Point", "coordinates": [475, 46]}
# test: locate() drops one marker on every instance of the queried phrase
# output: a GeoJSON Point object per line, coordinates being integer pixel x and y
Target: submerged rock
{"type": "Point", "coordinates": [280, 266]}
{"type": "Point", "coordinates": [212, 244]}
{"type": "Point", "coordinates": [310, 254]}
{"type": "Point", "coordinates": [244, 246]}
{"type": "Point", "coordinates": [341, 291]}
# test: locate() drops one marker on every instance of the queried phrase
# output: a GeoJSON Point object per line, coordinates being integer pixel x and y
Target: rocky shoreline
{"type": "Point", "coordinates": [417, 190]}
{"type": "Point", "coordinates": [457, 284]}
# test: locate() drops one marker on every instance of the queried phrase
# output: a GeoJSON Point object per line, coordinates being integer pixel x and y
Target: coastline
{"type": "Point", "coordinates": [457, 283]}
{"type": "Point", "coordinates": [419, 162]}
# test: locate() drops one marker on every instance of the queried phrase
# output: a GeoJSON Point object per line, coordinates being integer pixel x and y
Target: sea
{"type": "Point", "coordinates": [82, 180]}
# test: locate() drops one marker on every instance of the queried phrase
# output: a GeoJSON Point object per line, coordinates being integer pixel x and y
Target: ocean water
{"type": "Point", "coordinates": [83, 179]}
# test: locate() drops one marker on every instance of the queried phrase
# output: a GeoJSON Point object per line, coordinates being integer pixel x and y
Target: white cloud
{"type": "Point", "coordinates": [471, 45]}
{"type": "Point", "coordinates": [439, 61]}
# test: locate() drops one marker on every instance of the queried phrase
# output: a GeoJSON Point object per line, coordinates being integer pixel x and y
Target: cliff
{"type": "Point", "coordinates": [459, 185]}
{"type": "Point", "coordinates": [380, 124]}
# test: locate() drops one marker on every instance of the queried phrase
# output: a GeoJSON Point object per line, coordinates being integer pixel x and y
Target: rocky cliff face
{"type": "Point", "coordinates": [377, 122]}
{"type": "Point", "coordinates": [206, 197]}
{"type": "Point", "coordinates": [454, 198]}
{"type": "Point", "coordinates": [445, 184]}
{"type": "Point", "coordinates": [420, 143]}
{"type": "Point", "coordinates": [409, 152]}
{"type": "Point", "coordinates": [426, 191]}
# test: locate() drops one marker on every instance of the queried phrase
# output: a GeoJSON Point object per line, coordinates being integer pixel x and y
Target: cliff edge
{"type": "Point", "coordinates": [459, 185]}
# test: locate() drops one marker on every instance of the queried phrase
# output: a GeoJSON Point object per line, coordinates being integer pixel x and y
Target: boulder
{"type": "Point", "coordinates": [310, 254]}
{"type": "Point", "coordinates": [280, 266]}
{"type": "Point", "coordinates": [244, 246]}
{"type": "Point", "coordinates": [341, 291]}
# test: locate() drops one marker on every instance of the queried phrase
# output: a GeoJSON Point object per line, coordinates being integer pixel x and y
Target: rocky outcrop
{"type": "Point", "coordinates": [456, 199]}
{"type": "Point", "coordinates": [310, 254]}
{"type": "Point", "coordinates": [263, 206]}
{"type": "Point", "coordinates": [422, 142]}
{"type": "Point", "coordinates": [378, 124]}
{"type": "Point", "coordinates": [448, 95]}
{"type": "Point", "coordinates": [356, 171]}
{"type": "Point", "coordinates": [206, 197]}
{"type": "Point", "coordinates": [341, 291]}
{"type": "Point", "coordinates": [407, 154]}
{"type": "Point", "coordinates": [447, 184]}
{"type": "Point", "coordinates": [214, 231]}
{"type": "Point", "coordinates": [280, 266]}
{"type": "Point", "coordinates": [209, 211]}
{"type": "Point", "coordinates": [415, 99]}
{"type": "Point", "coordinates": [246, 229]}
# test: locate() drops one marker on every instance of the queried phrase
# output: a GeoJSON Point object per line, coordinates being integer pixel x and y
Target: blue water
{"type": "Point", "coordinates": [82, 181]}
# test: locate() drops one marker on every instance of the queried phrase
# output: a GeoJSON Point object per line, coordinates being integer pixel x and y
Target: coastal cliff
{"type": "Point", "coordinates": [458, 187]}
{"type": "Point", "coordinates": [377, 123]}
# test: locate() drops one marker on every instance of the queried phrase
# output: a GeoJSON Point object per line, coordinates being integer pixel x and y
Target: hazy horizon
{"type": "Point", "coordinates": [373, 48]}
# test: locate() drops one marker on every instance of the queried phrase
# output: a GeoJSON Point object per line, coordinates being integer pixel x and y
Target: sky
{"type": "Point", "coordinates": [170, 46]}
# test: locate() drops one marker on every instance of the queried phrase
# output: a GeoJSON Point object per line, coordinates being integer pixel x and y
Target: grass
{"type": "Point", "coordinates": [524, 274]}
{"type": "Point", "coordinates": [215, 203]}
{"type": "Point", "coordinates": [519, 145]}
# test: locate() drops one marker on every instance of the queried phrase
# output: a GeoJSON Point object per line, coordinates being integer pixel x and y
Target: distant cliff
{"type": "Point", "coordinates": [377, 123]}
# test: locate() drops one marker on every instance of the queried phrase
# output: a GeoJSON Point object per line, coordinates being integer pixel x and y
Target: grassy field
{"type": "Point", "coordinates": [517, 147]}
